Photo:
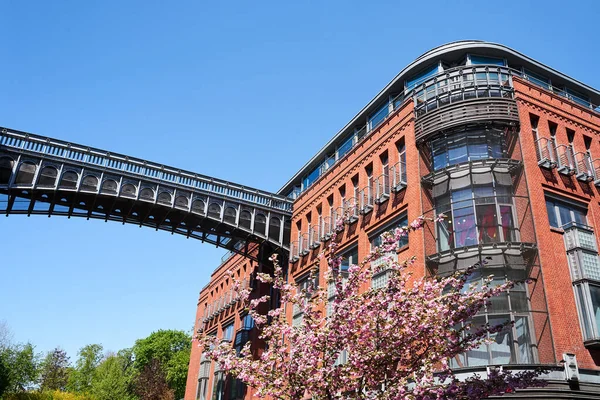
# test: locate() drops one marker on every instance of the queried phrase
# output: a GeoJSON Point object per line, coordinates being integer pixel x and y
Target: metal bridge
{"type": "Point", "coordinates": [45, 176]}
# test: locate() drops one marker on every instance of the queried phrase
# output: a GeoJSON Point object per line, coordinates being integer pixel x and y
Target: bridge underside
{"type": "Point", "coordinates": [89, 205]}
{"type": "Point", "coordinates": [43, 176]}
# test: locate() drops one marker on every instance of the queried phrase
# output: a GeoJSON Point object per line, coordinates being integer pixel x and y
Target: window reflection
{"type": "Point", "coordinates": [474, 215]}
{"type": "Point", "coordinates": [461, 147]}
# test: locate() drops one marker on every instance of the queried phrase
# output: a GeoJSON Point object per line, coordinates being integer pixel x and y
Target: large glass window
{"type": "Point", "coordinates": [380, 277]}
{"type": "Point", "coordinates": [422, 77]}
{"type": "Point", "coordinates": [514, 344]}
{"type": "Point", "coordinates": [311, 178]}
{"type": "Point", "coordinates": [460, 147]}
{"type": "Point", "coordinates": [476, 214]}
{"type": "Point", "coordinates": [561, 213]}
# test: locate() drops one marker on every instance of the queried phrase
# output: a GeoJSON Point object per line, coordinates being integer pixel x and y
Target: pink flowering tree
{"type": "Point", "coordinates": [396, 341]}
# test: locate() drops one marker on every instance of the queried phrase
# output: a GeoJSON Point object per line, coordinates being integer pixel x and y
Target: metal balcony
{"type": "Point", "coordinates": [382, 189]}
{"type": "Point", "coordinates": [546, 153]}
{"type": "Point", "coordinates": [398, 173]}
{"type": "Point", "coordinates": [566, 162]}
{"type": "Point", "coordinates": [583, 164]}
{"type": "Point", "coordinates": [366, 200]}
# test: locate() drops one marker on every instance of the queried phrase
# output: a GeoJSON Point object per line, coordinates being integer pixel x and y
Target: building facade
{"type": "Point", "coordinates": [509, 150]}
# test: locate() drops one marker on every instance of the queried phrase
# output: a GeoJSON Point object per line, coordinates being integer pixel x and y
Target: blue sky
{"type": "Point", "coordinates": [243, 91]}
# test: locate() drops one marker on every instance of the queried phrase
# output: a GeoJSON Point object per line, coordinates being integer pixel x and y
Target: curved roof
{"type": "Point", "coordinates": [453, 52]}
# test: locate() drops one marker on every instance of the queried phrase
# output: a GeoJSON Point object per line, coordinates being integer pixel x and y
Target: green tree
{"type": "Point", "coordinates": [113, 378]}
{"type": "Point", "coordinates": [172, 350]}
{"type": "Point", "coordinates": [4, 377]}
{"type": "Point", "coordinates": [81, 377]}
{"type": "Point", "coordinates": [23, 367]}
{"type": "Point", "coordinates": [55, 370]}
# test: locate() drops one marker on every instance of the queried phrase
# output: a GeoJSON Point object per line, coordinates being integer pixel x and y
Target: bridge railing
{"type": "Point", "coordinates": [120, 163]}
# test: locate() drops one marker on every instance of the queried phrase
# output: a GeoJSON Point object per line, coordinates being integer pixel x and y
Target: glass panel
{"type": "Point", "coordinates": [345, 147]}
{"type": "Point", "coordinates": [478, 356]}
{"type": "Point", "coordinates": [551, 214]}
{"type": "Point", "coordinates": [506, 220]}
{"type": "Point", "coordinates": [584, 316]}
{"type": "Point", "coordinates": [523, 340]}
{"type": "Point", "coordinates": [500, 348]}
{"type": "Point", "coordinates": [475, 60]}
{"type": "Point", "coordinates": [445, 233]}
{"type": "Point", "coordinates": [595, 314]}
{"type": "Point", "coordinates": [464, 220]}
{"type": "Point", "coordinates": [564, 213]}
{"type": "Point", "coordinates": [422, 77]}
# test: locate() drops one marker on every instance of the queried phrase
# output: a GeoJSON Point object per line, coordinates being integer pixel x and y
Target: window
{"type": "Point", "coordinates": [471, 145]}
{"type": "Point", "coordinates": [247, 322]}
{"type": "Point", "coordinates": [537, 79]}
{"type": "Point", "coordinates": [310, 178]}
{"type": "Point", "coordinates": [25, 174]}
{"type": "Point", "coordinates": [477, 213]}
{"type": "Point", "coordinates": [228, 332]}
{"type": "Point", "coordinates": [345, 147]}
{"type": "Point", "coordinates": [380, 277]}
{"type": "Point", "coordinates": [350, 257]}
{"type": "Point", "coordinates": [378, 116]}
{"type": "Point", "coordinates": [475, 60]}
{"type": "Point", "coordinates": [203, 376]}
{"type": "Point", "coordinates": [514, 344]}
{"type": "Point", "coordinates": [308, 285]}
{"type": "Point", "coordinates": [422, 77]}
{"type": "Point", "coordinates": [561, 213]}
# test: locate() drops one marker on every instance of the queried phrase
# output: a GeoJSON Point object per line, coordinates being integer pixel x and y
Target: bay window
{"type": "Point", "coordinates": [474, 144]}
{"type": "Point", "coordinates": [512, 345]}
{"type": "Point", "coordinates": [475, 214]}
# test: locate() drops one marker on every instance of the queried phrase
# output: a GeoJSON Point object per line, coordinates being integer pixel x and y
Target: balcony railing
{"type": "Point", "coordinates": [585, 172]}
{"type": "Point", "coordinates": [313, 237]}
{"type": "Point", "coordinates": [351, 210]}
{"type": "Point", "coordinates": [325, 228]}
{"type": "Point", "coordinates": [462, 83]}
{"type": "Point", "coordinates": [546, 153]}
{"type": "Point", "coordinates": [398, 172]}
{"type": "Point", "coordinates": [382, 188]}
{"type": "Point", "coordinates": [366, 200]}
{"type": "Point", "coordinates": [566, 162]}
{"type": "Point", "coordinates": [294, 251]}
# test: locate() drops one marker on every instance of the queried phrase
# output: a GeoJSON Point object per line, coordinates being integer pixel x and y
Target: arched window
{"type": "Point", "coordinates": [69, 180]}
{"type": "Point", "coordinates": [128, 190]}
{"type": "Point", "coordinates": [274, 229]}
{"type": "Point", "coordinates": [246, 219]}
{"type": "Point", "coordinates": [48, 177]}
{"type": "Point", "coordinates": [109, 187]}
{"type": "Point", "coordinates": [147, 194]}
{"type": "Point", "coordinates": [198, 207]}
{"type": "Point", "coordinates": [181, 202]}
{"type": "Point", "coordinates": [230, 214]}
{"type": "Point", "coordinates": [6, 166]}
{"type": "Point", "coordinates": [25, 174]}
{"type": "Point", "coordinates": [214, 211]}
{"type": "Point", "coordinates": [260, 224]}
{"type": "Point", "coordinates": [89, 183]}
{"type": "Point", "coordinates": [165, 198]}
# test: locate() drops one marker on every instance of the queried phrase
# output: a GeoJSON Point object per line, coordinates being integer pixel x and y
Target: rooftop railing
{"type": "Point", "coordinates": [119, 163]}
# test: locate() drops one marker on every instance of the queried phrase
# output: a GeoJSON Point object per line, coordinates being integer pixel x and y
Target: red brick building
{"type": "Point", "coordinates": [503, 145]}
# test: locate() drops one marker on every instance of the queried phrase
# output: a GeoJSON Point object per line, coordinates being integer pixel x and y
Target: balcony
{"type": "Point", "coordinates": [464, 95]}
{"type": "Point", "coordinates": [583, 165]}
{"type": "Point", "coordinates": [314, 237]}
{"type": "Point", "coordinates": [325, 228]}
{"type": "Point", "coordinates": [546, 153]}
{"type": "Point", "coordinates": [351, 210]}
{"type": "Point", "coordinates": [398, 173]}
{"type": "Point", "coordinates": [367, 202]}
{"type": "Point", "coordinates": [566, 162]}
{"type": "Point", "coordinates": [382, 189]}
